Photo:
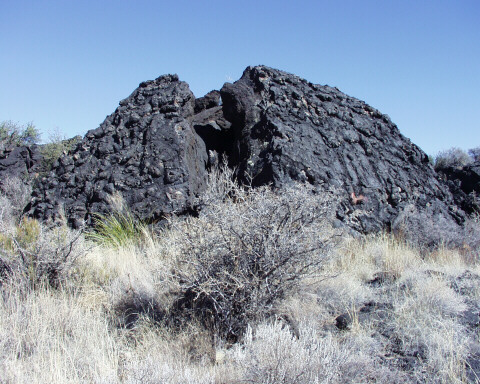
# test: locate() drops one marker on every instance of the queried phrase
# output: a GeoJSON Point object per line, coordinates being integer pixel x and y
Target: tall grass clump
{"type": "Point", "coordinates": [116, 229]}
{"type": "Point", "coordinates": [49, 336]}
{"type": "Point", "coordinates": [119, 228]}
{"type": "Point", "coordinates": [426, 322]}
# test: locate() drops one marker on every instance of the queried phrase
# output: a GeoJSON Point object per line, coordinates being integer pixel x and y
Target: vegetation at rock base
{"type": "Point", "coordinates": [285, 277]}
{"type": "Point", "coordinates": [251, 290]}
{"type": "Point", "coordinates": [119, 228]}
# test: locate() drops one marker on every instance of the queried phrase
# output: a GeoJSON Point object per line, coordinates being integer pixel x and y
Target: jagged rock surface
{"type": "Point", "coordinates": [147, 151]}
{"type": "Point", "coordinates": [287, 129]}
{"type": "Point", "coordinates": [157, 147]}
{"type": "Point", "coordinates": [20, 162]}
{"type": "Point", "coordinates": [464, 183]}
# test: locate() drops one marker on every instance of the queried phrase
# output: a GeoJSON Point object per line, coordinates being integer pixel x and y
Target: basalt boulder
{"type": "Point", "coordinates": [22, 162]}
{"type": "Point", "coordinates": [464, 183]}
{"type": "Point", "coordinates": [146, 151]}
{"type": "Point", "coordinates": [273, 127]}
{"type": "Point", "coordinates": [286, 128]}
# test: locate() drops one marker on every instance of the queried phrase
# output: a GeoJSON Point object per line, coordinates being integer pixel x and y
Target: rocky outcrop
{"type": "Point", "coordinates": [274, 127]}
{"type": "Point", "coordinates": [287, 129]}
{"type": "Point", "coordinates": [21, 162]}
{"type": "Point", "coordinates": [147, 151]}
{"type": "Point", "coordinates": [464, 184]}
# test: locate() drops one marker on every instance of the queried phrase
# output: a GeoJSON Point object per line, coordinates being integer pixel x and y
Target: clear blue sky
{"type": "Point", "coordinates": [66, 64]}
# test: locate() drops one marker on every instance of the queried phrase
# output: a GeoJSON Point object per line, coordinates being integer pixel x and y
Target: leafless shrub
{"type": "Point", "coordinates": [243, 253]}
{"type": "Point", "coordinates": [29, 251]}
{"type": "Point", "coordinates": [471, 238]}
{"type": "Point", "coordinates": [35, 254]}
{"type": "Point", "coordinates": [133, 305]}
{"type": "Point", "coordinates": [453, 157]}
{"type": "Point", "coordinates": [14, 194]}
{"type": "Point", "coordinates": [475, 153]}
{"type": "Point", "coordinates": [221, 186]}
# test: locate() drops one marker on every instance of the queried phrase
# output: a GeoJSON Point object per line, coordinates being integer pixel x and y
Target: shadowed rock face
{"type": "Point", "coordinates": [20, 162]}
{"type": "Point", "coordinates": [464, 183]}
{"type": "Point", "coordinates": [157, 147]}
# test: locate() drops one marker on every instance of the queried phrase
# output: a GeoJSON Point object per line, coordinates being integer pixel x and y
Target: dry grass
{"type": "Point", "coordinates": [112, 319]}
{"type": "Point", "coordinates": [48, 336]}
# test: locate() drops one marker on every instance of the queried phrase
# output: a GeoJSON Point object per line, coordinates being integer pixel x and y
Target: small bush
{"type": "Point", "coordinates": [271, 354]}
{"type": "Point", "coordinates": [452, 158]}
{"type": "Point", "coordinates": [425, 230]}
{"type": "Point", "coordinates": [240, 256]}
{"type": "Point", "coordinates": [116, 229]}
{"type": "Point", "coordinates": [36, 255]}
{"type": "Point", "coordinates": [14, 196]}
{"type": "Point", "coordinates": [475, 153]}
{"type": "Point", "coordinates": [55, 148]}
{"type": "Point", "coordinates": [428, 231]}
{"type": "Point", "coordinates": [14, 134]}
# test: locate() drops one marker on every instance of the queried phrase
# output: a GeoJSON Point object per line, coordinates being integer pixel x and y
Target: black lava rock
{"type": "Point", "coordinates": [287, 128]}
{"type": "Point", "coordinates": [157, 147]}
{"type": "Point", "coordinates": [344, 321]}
{"type": "Point", "coordinates": [147, 151]}
{"type": "Point", "coordinates": [20, 162]}
{"type": "Point", "coordinates": [464, 183]}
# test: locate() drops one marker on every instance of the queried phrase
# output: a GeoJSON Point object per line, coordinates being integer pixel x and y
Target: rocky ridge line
{"type": "Point", "coordinates": [157, 147]}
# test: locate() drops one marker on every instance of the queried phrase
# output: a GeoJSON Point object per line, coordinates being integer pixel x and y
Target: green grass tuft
{"type": "Point", "coordinates": [117, 229]}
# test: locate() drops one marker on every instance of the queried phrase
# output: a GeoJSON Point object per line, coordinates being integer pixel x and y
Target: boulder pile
{"type": "Point", "coordinates": [21, 162]}
{"type": "Point", "coordinates": [274, 128]}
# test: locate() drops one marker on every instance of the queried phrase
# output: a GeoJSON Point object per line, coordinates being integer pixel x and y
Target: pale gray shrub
{"type": "Point", "coordinates": [453, 157]}
{"type": "Point", "coordinates": [29, 251]}
{"type": "Point", "coordinates": [6, 213]}
{"type": "Point", "coordinates": [475, 153]}
{"type": "Point", "coordinates": [14, 194]}
{"type": "Point", "coordinates": [247, 248]}
{"type": "Point", "coordinates": [270, 354]}
{"type": "Point", "coordinates": [34, 254]}
{"type": "Point", "coordinates": [427, 230]}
